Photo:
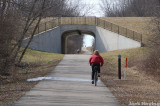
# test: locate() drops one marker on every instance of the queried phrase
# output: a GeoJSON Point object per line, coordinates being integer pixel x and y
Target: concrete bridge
{"type": "Point", "coordinates": [51, 36]}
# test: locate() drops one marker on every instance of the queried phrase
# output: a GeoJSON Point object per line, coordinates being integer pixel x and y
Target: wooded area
{"type": "Point", "coordinates": [17, 17]}
{"type": "Point", "coordinates": [139, 8]}
{"type": "Point", "coordinates": [130, 8]}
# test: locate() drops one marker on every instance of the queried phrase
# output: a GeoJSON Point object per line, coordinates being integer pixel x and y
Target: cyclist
{"type": "Point", "coordinates": [78, 51]}
{"type": "Point", "coordinates": [96, 60]}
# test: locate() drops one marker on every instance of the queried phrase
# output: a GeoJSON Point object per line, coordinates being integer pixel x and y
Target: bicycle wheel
{"type": "Point", "coordinates": [95, 78]}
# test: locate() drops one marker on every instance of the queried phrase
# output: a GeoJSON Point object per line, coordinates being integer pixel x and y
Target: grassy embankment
{"type": "Point", "coordinates": [34, 64]}
{"type": "Point", "coordinates": [139, 86]}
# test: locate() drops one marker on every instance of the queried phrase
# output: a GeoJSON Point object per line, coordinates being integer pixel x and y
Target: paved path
{"type": "Point", "coordinates": [87, 52]}
{"type": "Point", "coordinates": [69, 85]}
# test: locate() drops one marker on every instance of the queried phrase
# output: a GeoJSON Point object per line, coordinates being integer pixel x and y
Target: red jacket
{"type": "Point", "coordinates": [96, 59]}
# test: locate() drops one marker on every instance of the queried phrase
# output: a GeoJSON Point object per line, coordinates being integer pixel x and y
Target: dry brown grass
{"type": "Point", "coordinates": [36, 57]}
{"type": "Point", "coordinates": [139, 86]}
{"type": "Point", "coordinates": [35, 64]}
{"type": "Point", "coordinates": [142, 25]}
{"type": "Point", "coordinates": [15, 86]}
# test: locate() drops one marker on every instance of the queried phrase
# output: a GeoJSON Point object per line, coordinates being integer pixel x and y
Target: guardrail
{"type": "Point", "coordinates": [89, 21]}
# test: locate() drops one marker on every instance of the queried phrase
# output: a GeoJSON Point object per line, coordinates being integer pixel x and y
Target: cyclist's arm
{"type": "Point", "coordinates": [90, 60]}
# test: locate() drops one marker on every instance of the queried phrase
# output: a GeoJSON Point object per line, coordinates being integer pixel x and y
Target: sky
{"type": "Point", "coordinates": [88, 39]}
{"type": "Point", "coordinates": [94, 11]}
{"type": "Point", "coordinates": [95, 8]}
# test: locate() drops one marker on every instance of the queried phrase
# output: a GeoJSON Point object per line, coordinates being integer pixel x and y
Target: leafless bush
{"type": "Point", "coordinates": [129, 8]}
{"type": "Point", "coordinates": [9, 33]}
{"type": "Point", "coordinates": [154, 39]}
{"type": "Point", "coordinates": [152, 63]}
{"type": "Point", "coordinates": [17, 17]}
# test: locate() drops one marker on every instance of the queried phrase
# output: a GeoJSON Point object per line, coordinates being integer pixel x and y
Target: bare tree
{"type": "Point", "coordinates": [17, 17]}
{"type": "Point", "coordinates": [28, 12]}
{"type": "Point", "coordinates": [39, 16]}
{"type": "Point", "coordinates": [9, 32]}
{"type": "Point", "coordinates": [126, 8]}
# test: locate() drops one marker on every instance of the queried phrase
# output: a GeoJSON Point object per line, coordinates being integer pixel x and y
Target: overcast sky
{"type": "Point", "coordinates": [94, 11]}
{"type": "Point", "coordinates": [88, 40]}
{"type": "Point", "coordinates": [95, 8]}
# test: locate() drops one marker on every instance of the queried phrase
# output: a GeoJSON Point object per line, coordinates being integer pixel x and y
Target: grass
{"type": "Point", "coordinates": [34, 64]}
{"type": "Point", "coordinates": [40, 57]}
{"type": "Point", "coordinates": [139, 24]}
{"type": "Point", "coordinates": [138, 86]}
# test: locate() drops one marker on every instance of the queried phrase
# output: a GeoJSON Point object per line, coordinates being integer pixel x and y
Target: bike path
{"type": "Point", "coordinates": [69, 84]}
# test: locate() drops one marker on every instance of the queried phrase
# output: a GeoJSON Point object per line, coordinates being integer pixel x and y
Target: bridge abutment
{"type": "Point", "coordinates": [53, 41]}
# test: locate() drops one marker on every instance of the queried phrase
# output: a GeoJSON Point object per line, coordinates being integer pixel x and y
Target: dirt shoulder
{"type": "Point", "coordinates": [139, 87]}
{"type": "Point", "coordinates": [14, 87]}
{"type": "Point", "coordinates": [35, 64]}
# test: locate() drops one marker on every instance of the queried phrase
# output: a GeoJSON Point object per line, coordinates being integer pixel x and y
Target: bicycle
{"type": "Point", "coordinates": [95, 75]}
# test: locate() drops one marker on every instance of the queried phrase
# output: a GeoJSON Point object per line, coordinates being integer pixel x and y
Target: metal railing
{"type": "Point", "coordinates": [89, 21]}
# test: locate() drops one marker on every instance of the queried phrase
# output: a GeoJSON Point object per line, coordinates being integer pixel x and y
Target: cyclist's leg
{"type": "Point", "coordinates": [99, 69]}
{"type": "Point", "coordinates": [92, 75]}
{"type": "Point", "coordinates": [93, 72]}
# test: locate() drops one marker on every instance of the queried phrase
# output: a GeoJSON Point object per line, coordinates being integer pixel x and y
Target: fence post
{"type": "Point", "coordinates": [45, 26]}
{"type": "Point", "coordinates": [141, 38]}
{"type": "Point", "coordinates": [98, 21]}
{"type": "Point", "coordinates": [95, 20]}
{"type": "Point", "coordinates": [104, 24]}
{"type": "Point", "coordinates": [59, 21]}
{"type": "Point", "coordinates": [119, 66]}
{"type": "Point", "coordinates": [71, 20]}
{"type": "Point", "coordinates": [85, 21]}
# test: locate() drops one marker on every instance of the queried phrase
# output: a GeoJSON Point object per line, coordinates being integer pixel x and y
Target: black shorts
{"type": "Point", "coordinates": [98, 66]}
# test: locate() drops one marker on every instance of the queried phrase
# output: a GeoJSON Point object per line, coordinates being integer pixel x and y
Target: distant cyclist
{"type": "Point", "coordinates": [78, 51]}
{"type": "Point", "coordinates": [96, 60]}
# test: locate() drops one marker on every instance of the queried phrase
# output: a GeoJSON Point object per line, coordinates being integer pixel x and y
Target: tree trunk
{"type": "Point", "coordinates": [30, 40]}
{"type": "Point", "coordinates": [24, 31]}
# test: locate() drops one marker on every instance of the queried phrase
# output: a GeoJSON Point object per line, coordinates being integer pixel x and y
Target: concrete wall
{"type": "Point", "coordinates": [50, 41]}
{"type": "Point", "coordinates": [83, 28]}
{"type": "Point", "coordinates": [108, 41]}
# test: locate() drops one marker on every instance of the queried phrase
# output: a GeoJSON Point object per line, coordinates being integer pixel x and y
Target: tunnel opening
{"type": "Point", "coordinates": [78, 42]}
